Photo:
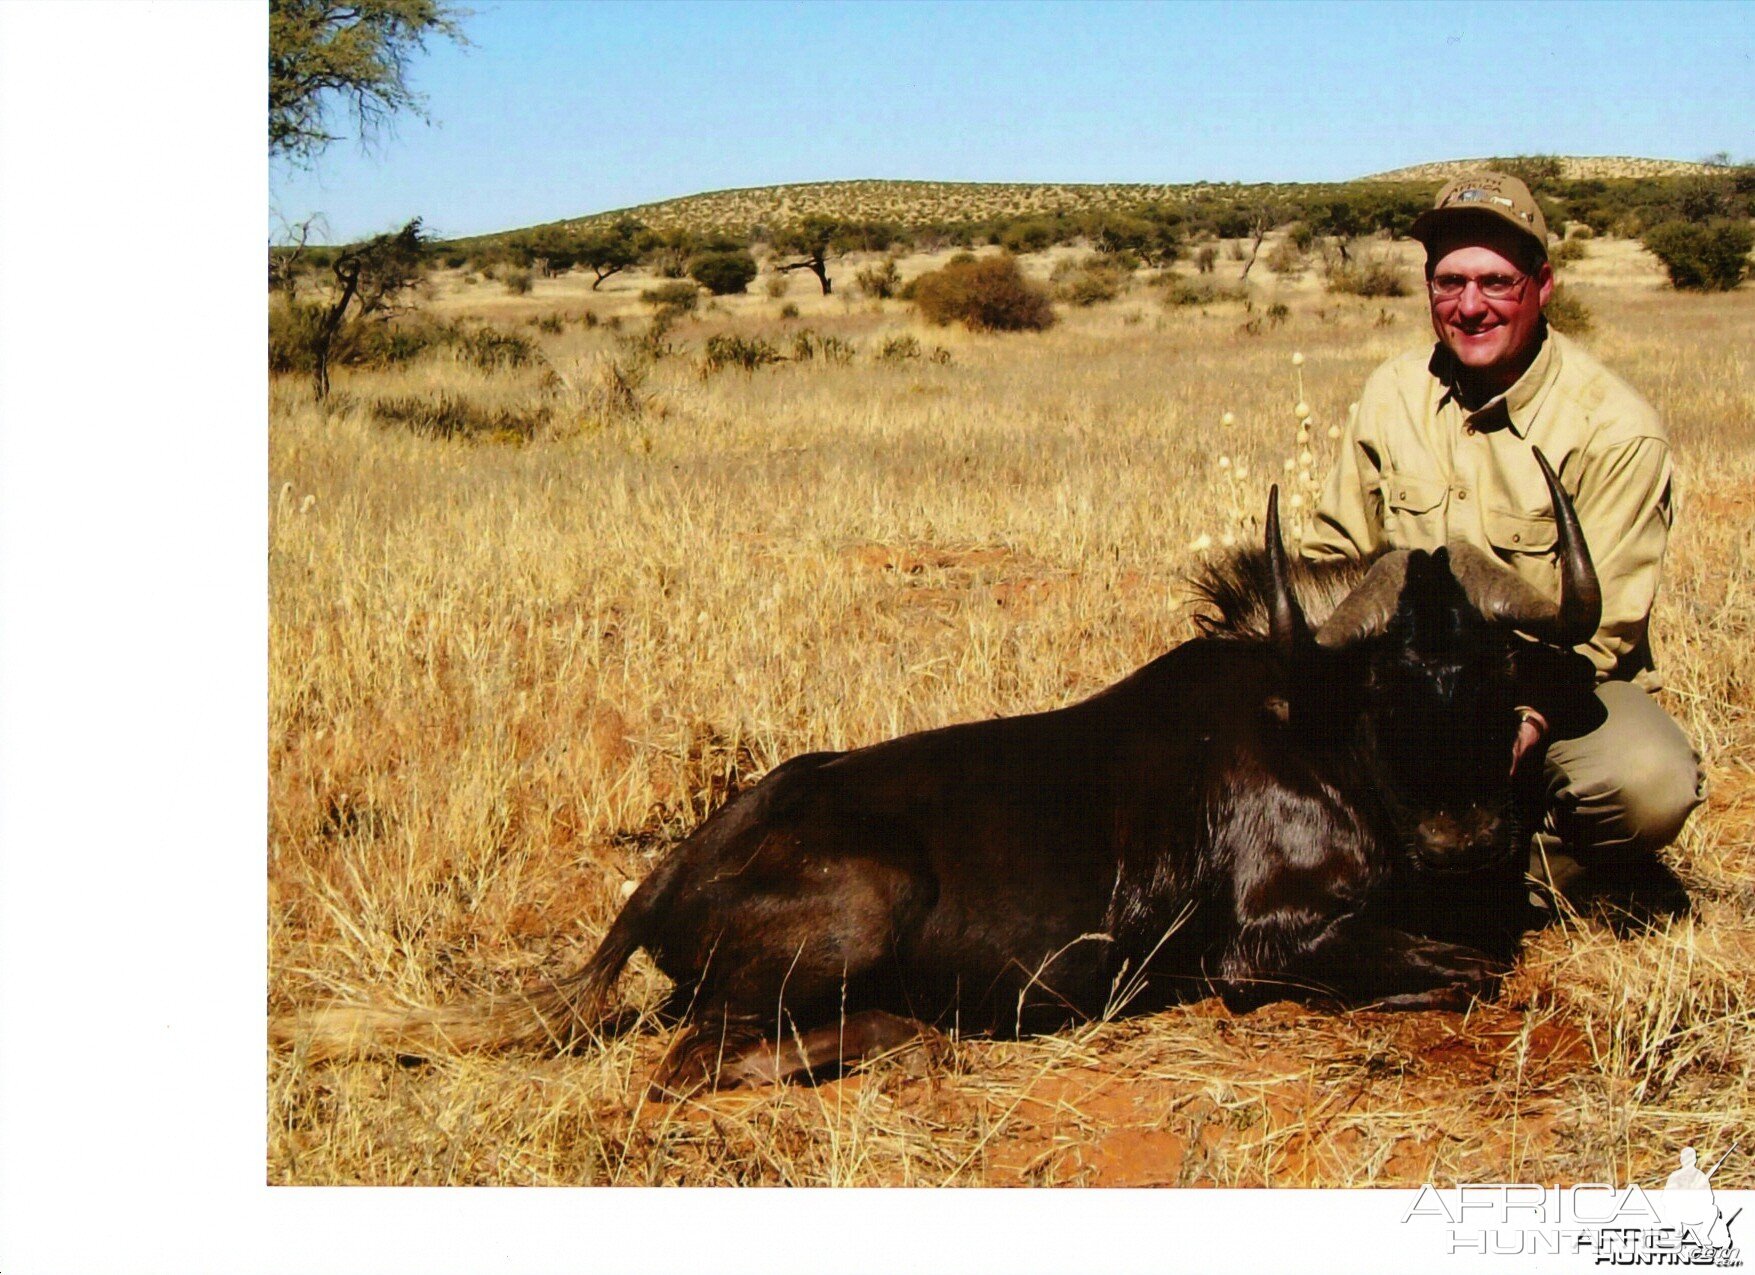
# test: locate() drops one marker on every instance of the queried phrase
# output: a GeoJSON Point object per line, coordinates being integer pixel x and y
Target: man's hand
{"type": "Point", "coordinates": [1529, 733]}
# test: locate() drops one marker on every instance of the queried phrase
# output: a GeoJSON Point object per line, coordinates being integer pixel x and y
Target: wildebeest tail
{"type": "Point", "coordinates": [561, 1017]}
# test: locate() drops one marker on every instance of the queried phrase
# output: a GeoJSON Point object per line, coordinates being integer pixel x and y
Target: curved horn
{"type": "Point", "coordinates": [1285, 619]}
{"type": "Point", "coordinates": [1366, 611]}
{"type": "Point", "coordinates": [1581, 596]}
{"type": "Point", "coordinates": [1504, 598]}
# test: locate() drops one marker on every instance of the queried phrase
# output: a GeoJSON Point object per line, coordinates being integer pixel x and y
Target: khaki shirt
{"type": "Point", "coordinates": [1416, 469]}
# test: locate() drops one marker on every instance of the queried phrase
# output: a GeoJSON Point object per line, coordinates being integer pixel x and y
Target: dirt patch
{"type": "Point", "coordinates": [1285, 1096]}
{"type": "Point", "coordinates": [913, 559]}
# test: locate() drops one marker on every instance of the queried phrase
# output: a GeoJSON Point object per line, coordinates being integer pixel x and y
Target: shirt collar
{"type": "Point", "coordinates": [1515, 407]}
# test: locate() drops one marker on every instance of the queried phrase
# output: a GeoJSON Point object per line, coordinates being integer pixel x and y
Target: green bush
{"type": "Point", "coordinates": [453, 416]}
{"type": "Point", "coordinates": [293, 329]}
{"type": "Point", "coordinates": [1703, 257]}
{"type": "Point", "coordinates": [789, 311]}
{"type": "Point", "coordinates": [391, 344]}
{"type": "Point", "coordinates": [517, 281]}
{"type": "Point", "coordinates": [679, 297]}
{"type": "Point", "coordinates": [491, 348]}
{"type": "Point", "coordinates": [1088, 287]}
{"type": "Point", "coordinates": [1030, 235]}
{"type": "Point", "coordinates": [1566, 313]}
{"type": "Point", "coordinates": [986, 294]}
{"type": "Point", "coordinates": [723, 273]}
{"type": "Point", "coordinates": [879, 281]}
{"type": "Point", "coordinates": [1183, 291]}
{"type": "Point", "coordinates": [898, 349]}
{"type": "Point", "coordinates": [1205, 258]}
{"type": "Point", "coordinates": [1284, 258]}
{"type": "Point", "coordinates": [808, 344]}
{"type": "Point", "coordinates": [748, 353]}
{"type": "Point", "coordinates": [1368, 275]}
{"type": "Point", "coordinates": [1097, 277]}
{"type": "Point", "coordinates": [648, 345]}
{"type": "Point", "coordinates": [1567, 251]}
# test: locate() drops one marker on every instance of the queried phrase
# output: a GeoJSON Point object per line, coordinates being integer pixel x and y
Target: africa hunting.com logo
{"type": "Point", "coordinates": [1680, 1225]}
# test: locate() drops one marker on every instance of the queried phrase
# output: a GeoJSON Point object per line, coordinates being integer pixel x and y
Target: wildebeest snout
{"type": "Point", "coordinates": [1462, 842]}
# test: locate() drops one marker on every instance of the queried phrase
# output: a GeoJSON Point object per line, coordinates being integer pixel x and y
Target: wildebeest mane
{"type": "Point", "coordinates": [1234, 591]}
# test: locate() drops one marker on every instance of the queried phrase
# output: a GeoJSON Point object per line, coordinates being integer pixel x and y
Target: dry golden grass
{"type": "Point", "coordinates": [504, 679]}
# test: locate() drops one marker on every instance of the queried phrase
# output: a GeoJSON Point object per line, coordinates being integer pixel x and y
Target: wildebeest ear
{"type": "Point", "coordinates": [1285, 617]}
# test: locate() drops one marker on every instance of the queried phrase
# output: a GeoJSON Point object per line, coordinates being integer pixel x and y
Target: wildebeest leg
{"type": "Point", "coordinates": [1371, 964]}
{"type": "Point", "coordinates": [809, 929]}
{"type": "Point", "coordinates": [696, 1058]}
{"type": "Point", "coordinates": [1361, 962]}
{"type": "Point", "coordinates": [728, 1053]}
{"type": "Point", "coordinates": [822, 1051]}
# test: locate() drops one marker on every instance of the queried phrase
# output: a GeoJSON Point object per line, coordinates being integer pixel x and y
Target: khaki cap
{"type": "Point", "coordinates": [1483, 192]}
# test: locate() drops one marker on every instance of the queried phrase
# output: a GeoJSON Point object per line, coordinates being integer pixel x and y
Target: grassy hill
{"type": "Point", "coordinates": [1572, 168]}
{"type": "Point", "coordinates": [907, 203]}
{"type": "Point", "coordinates": [751, 211]}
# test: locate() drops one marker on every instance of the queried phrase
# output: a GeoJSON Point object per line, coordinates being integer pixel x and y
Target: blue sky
{"type": "Point", "coordinates": [561, 109]}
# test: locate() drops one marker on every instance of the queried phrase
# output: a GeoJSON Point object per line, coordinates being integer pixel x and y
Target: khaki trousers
{"type": "Point", "coordinates": [1623, 790]}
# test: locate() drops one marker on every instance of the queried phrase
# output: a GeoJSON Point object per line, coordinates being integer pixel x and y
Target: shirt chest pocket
{"type": "Point", "coordinates": [1511, 533]}
{"type": "Point", "coordinates": [1526, 542]}
{"type": "Point", "coordinates": [1413, 511]}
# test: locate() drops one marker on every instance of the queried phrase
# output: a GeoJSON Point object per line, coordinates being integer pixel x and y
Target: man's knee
{"type": "Point", "coordinates": [1631, 785]}
{"type": "Point", "coordinates": [1659, 789]}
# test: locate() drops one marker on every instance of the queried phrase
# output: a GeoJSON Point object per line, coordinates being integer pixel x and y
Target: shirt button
{"type": "Point", "coordinates": [1468, 429]}
{"type": "Point", "coordinates": [1462, 495]}
{"type": "Point", "coordinates": [1516, 539]}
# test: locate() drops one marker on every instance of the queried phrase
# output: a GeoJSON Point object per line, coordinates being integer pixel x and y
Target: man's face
{"type": "Point", "coordinates": [1492, 337]}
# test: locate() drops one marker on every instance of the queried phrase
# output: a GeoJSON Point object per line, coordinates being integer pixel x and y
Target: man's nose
{"type": "Point", "coordinates": [1472, 301]}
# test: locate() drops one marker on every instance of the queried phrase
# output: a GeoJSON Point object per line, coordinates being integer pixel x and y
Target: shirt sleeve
{"type": "Point", "coordinates": [1348, 520]}
{"type": "Point", "coordinates": [1624, 507]}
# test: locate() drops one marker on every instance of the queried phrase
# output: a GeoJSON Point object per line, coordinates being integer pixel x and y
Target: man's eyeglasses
{"type": "Point", "coordinates": [1495, 287]}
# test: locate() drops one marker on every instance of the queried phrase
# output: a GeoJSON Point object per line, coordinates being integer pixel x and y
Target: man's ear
{"type": "Point", "coordinates": [1545, 282]}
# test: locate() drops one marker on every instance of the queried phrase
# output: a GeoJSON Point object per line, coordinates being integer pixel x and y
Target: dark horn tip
{"type": "Point", "coordinates": [1286, 618]}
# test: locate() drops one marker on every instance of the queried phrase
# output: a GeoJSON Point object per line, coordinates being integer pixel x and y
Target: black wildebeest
{"type": "Point", "coordinates": [1269, 809]}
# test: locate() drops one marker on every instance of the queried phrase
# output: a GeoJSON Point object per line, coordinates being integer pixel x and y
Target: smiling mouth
{"type": "Point", "coordinates": [1477, 337]}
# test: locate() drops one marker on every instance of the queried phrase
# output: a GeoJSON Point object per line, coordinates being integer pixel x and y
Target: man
{"type": "Point", "coordinates": [1440, 450]}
